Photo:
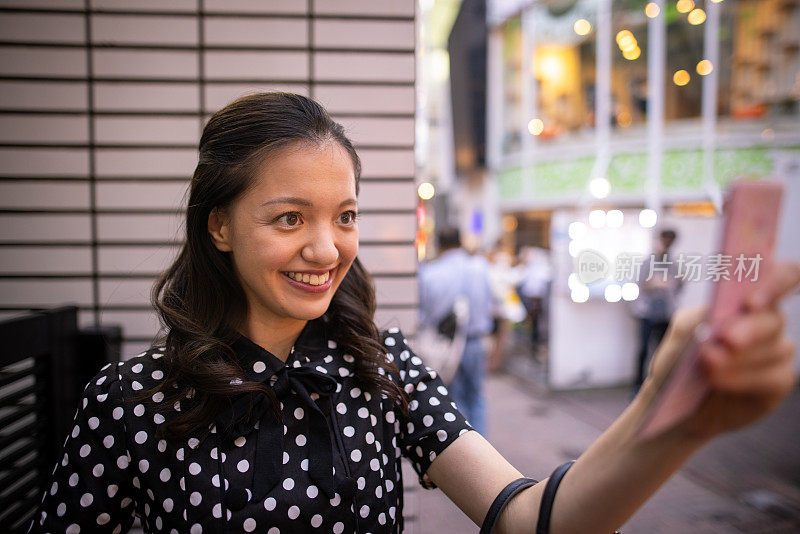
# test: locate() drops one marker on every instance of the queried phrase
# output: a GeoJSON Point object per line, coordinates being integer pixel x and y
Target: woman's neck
{"type": "Point", "coordinates": [278, 339]}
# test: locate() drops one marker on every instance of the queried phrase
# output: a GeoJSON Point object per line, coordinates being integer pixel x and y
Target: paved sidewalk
{"type": "Point", "coordinates": [747, 482]}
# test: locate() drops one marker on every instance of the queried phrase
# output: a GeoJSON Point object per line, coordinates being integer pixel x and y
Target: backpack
{"type": "Point", "coordinates": [441, 345]}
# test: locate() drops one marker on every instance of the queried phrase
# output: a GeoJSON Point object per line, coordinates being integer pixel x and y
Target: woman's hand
{"type": "Point", "coordinates": [749, 365]}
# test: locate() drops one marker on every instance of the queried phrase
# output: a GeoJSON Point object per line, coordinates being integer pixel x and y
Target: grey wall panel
{"type": "Point", "coordinates": [236, 31]}
{"type": "Point", "coordinates": [366, 34]}
{"type": "Point", "coordinates": [356, 67]}
{"type": "Point", "coordinates": [76, 5]}
{"type": "Point", "coordinates": [122, 228]}
{"type": "Point", "coordinates": [144, 30]}
{"type": "Point", "coordinates": [145, 5]}
{"type": "Point", "coordinates": [150, 97]}
{"type": "Point", "coordinates": [142, 195]}
{"type": "Point", "coordinates": [388, 259]}
{"type": "Point", "coordinates": [296, 7]}
{"type": "Point", "coordinates": [65, 28]}
{"type": "Point", "coordinates": [387, 227]}
{"type": "Point", "coordinates": [135, 259]}
{"type": "Point", "coordinates": [384, 131]}
{"type": "Point", "coordinates": [387, 195]}
{"type": "Point", "coordinates": [218, 95]}
{"type": "Point", "coordinates": [373, 8]}
{"type": "Point", "coordinates": [377, 100]}
{"type": "Point", "coordinates": [377, 163]}
{"type": "Point", "coordinates": [44, 195]}
{"type": "Point", "coordinates": [46, 62]}
{"type": "Point", "coordinates": [147, 130]}
{"type": "Point", "coordinates": [46, 260]}
{"type": "Point", "coordinates": [45, 293]}
{"type": "Point", "coordinates": [125, 292]}
{"type": "Point", "coordinates": [43, 96]}
{"type": "Point", "coordinates": [47, 129]}
{"type": "Point", "coordinates": [273, 65]}
{"type": "Point", "coordinates": [146, 163]}
{"type": "Point", "coordinates": [131, 64]}
{"type": "Point", "coordinates": [45, 228]}
{"type": "Point", "coordinates": [43, 162]}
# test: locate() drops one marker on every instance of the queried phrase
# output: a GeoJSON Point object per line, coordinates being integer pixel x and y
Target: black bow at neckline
{"type": "Point", "coordinates": [255, 411]}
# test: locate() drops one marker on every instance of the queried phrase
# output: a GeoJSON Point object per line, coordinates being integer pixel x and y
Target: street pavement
{"type": "Point", "coordinates": [745, 482]}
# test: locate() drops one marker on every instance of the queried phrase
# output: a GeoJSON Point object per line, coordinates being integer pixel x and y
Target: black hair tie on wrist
{"type": "Point", "coordinates": [501, 500]}
{"type": "Point", "coordinates": [549, 495]}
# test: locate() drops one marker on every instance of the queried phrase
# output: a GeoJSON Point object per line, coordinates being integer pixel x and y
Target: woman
{"type": "Point", "coordinates": [274, 405]}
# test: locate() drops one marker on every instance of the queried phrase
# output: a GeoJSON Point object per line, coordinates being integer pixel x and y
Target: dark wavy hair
{"type": "Point", "coordinates": [199, 298]}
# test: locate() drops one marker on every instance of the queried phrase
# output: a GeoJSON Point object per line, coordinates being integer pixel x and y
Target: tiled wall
{"type": "Point", "coordinates": [101, 106]}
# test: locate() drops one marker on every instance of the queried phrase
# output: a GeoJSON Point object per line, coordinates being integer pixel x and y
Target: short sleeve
{"type": "Point", "coordinates": [433, 421]}
{"type": "Point", "coordinates": [90, 489]}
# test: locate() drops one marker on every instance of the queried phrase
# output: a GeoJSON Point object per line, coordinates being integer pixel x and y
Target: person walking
{"type": "Point", "coordinates": [457, 273]}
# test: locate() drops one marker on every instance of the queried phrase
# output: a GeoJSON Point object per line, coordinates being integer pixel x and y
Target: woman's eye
{"type": "Point", "coordinates": [348, 217]}
{"type": "Point", "coordinates": [289, 219]}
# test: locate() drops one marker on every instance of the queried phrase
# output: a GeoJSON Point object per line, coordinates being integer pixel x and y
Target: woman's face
{"type": "Point", "coordinates": [293, 235]}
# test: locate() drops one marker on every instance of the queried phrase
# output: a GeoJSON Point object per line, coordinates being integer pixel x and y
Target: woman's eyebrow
{"type": "Point", "coordinates": [303, 202]}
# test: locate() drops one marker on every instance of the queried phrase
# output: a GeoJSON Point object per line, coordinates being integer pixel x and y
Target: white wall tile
{"type": "Point", "coordinates": [125, 291]}
{"type": "Point", "coordinates": [48, 62]}
{"type": "Point", "coordinates": [157, 163]}
{"type": "Point", "coordinates": [44, 194]}
{"type": "Point", "coordinates": [146, 97]}
{"type": "Point", "coordinates": [400, 290]}
{"type": "Point", "coordinates": [45, 293]}
{"type": "Point", "coordinates": [140, 227]}
{"type": "Point", "coordinates": [43, 96]}
{"type": "Point", "coordinates": [389, 259]}
{"type": "Point", "coordinates": [44, 228]}
{"type": "Point", "coordinates": [145, 5]}
{"type": "Point", "coordinates": [134, 323]}
{"type": "Point", "coordinates": [219, 95]}
{"type": "Point", "coordinates": [387, 227]}
{"type": "Point", "coordinates": [160, 30]}
{"type": "Point", "coordinates": [42, 28]}
{"type": "Point", "coordinates": [52, 260]}
{"type": "Point", "coordinates": [387, 131]}
{"type": "Point", "coordinates": [367, 34]}
{"type": "Point", "coordinates": [405, 319]}
{"type": "Point", "coordinates": [387, 195]}
{"type": "Point", "coordinates": [256, 6]}
{"type": "Point", "coordinates": [24, 128]}
{"type": "Point", "coordinates": [385, 8]}
{"type": "Point", "coordinates": [255, 65]}
{"type": "Point", "coordinates": [135, 259]}
{"type": "Point", "coordinates": [376, 163]}
{"type": "Point", "coordinates": [147, 130]}
{"type": "Point", "coordinates": [173, 64]}
{"type": "Point", "coordinates": [361, 67]}
{"type": "Point", "coordinates": [143, 195]}
{"type": "Point", "coordinates": [44, 4]}
{"type": "Point", "coordinates": [44, 162]}
{"type": "Point", "coordinates": [230, 31]}
{"type": "Point", "coordinates": [355, 99]}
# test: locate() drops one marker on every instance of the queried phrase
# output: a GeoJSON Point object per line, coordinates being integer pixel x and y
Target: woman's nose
{"type": "Point", "coordinates": [321, 248]}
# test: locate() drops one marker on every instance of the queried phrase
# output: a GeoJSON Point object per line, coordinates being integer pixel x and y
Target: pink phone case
{"type": "Point", "coordinates": [752, 211]}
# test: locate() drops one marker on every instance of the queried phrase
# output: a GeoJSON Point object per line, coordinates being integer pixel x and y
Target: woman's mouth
{"type": "Point", "coordinates": [314, 283]}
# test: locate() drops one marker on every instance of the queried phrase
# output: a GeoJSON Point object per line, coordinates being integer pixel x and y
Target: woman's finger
{"type": "Point", "coordinates": [752, 330]}
{"type": "Point", "coordinates": [780, 280]}
{"type": "Point", "coordinates": [769, 368]}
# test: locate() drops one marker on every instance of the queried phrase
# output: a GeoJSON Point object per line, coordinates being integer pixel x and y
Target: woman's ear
{"type": "Point", "coordinates": [219, 229]}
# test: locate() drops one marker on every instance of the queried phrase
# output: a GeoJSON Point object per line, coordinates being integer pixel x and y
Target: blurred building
{"type": "Point", "coordinates": [609, 120]}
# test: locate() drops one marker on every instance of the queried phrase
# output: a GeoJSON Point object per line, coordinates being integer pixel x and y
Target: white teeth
{"type": "Point", "coordinates": [312, 279]}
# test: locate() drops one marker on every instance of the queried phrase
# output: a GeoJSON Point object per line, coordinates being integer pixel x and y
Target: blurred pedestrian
{"type": "Point", "coordinates": [533, 291]}
{"type": "Point", "coordinates": [659, 286]}
{"type": "Point", "coordinates": [508, 309]}
{"type": "Point", "coordinates": [457, 273]}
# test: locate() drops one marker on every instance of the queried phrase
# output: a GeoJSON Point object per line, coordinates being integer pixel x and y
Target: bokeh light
{"type": "Point", "coordinates": [576, 230]}
{"type": "Point", "coordinates": [704, 67]}
{"type": "Point", "coordinates": [614, 219]}
{"type": "Point", "coordinates": [580, 294]}
{"type": "Point", "coordinates": [536, 126]}
{"type": "Point", "coordinates": [613, 293]}
{"type": "Point", "coordinates": [681, 77]}
{"type": "Point", "coordinates": [630, 291]}
{"type": "Point", "coordinates": [648, 218]}
{"type": "Point", "coordinates": [597, 218]}
{"type": "Point", "coordinates": [697, 16]}
{"type": "Point", "coordinates": [426, 191]}
{"type": "Point", "coordinates": [631, 54]}
{"type": "Point", "coordinates": [599, 187]}
{"type": "Point", "coordinates": [582, 27]}
{"type": "Point", "coordinates": [652, 10]}
{"type": "Point", "coordinates": [684, 6]}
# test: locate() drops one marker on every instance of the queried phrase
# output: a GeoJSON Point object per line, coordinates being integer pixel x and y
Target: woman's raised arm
{"type": "Point", "coordinates": [750, 370]}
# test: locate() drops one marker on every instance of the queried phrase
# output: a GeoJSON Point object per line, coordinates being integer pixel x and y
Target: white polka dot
{"type": "Point", "coordinates": [355, 455]}
{"type": "Point", "coordinates": [87, 499]}
{"type": "Point", "coordinates": [450, 416]}
{"type": "Point", "coordinates": [374, 464]}
{"type": "Point", "coordinates": [138, 410]}
{"type": "Point", "coordinates": [112, 490]}
{"type": "Point", "coordinates": [193, 443]}
{"type": "Point", "coordinates": [390, 342]}
{"type": "Point", "coordinates": [364, 512]}
{"type": "Point", "coordinates": [441, 434]}
{"type": "Point", "coordinates": [61, 510]}
{"type": "Point", "coordinates": [117, 413]}
{"type": "Point", "coordinates": [434, 401]}
{"type": "Point", "coordinates": [158, 375]}
{"type": "Point", "coordinates": [298, 413]}
{"type": "Point", "coordinates": [338, 528]}
{"type": "Point", "coordinates": [136, 386]}
{"type": "Point", "coordinates": [93, 422]}
{"type": "Point", "coordinates": [168, 504]}
{"type": "Point", "coordinates": [349, 431]}
{"type": "Point", "coordinates": [274, 530]}
{"type": "Point", "coordinates": [85, 450]}
{"type": "Point", "coordinates": [304, 464]}
{"type": "Point", "coordinates": [108, 441]}
{"type": "Point", "coordinates": [243, 466]}
{"type": "Point", "coordinates": [140, 437]}
{"type": "Point", "coordinates": [73, 529]}
{"type": "Point", "coordinates": [137, 368]}
{"type": "Point", "coordinates": [337, 499]}
{"type": "Point", "coordinates": [158, 396]}
{"type": "Point", "coordinates": [361, 483]}
{"type": "Point", "coordinates": [270, 503]}
{"type": "Point", "coordinates": [288, 484]}
{"type": "Point", "coordinates": [196, 529]}
{"type": "Point", "coordinates": [249, 523]}
{"type": "Point", "coordinates": [215, 481]}
{"type": "Point", "coordinates": [363, 413]}
{"type": "Point", "coordinates": [389, 485]}
{"type": "Point", "coordinates": [341, 408]}
{"type": "Point", "coordinates": [102, 378]}
{"type": "Point", "coordinates": [195, 498]}
{"type": "Point", "coordinates": [370, 437]}
{"type": "Point", "coordinates": [259, 367]}
{"type": "Point", "coordinates": [158, 419]}
{"type": "Point", "coordinates": [102, 397]}
{"type": "Point", "coordinates": [312, 492]}
{"type": "Point", "coordinates": [103, 518]}
{"type": "Point", "coordinates": [144, 465]}
{"type": "Point", "coordinates": [122, 462]}
{"type": "Point", "coordinates": [316, 521]}
{"type": "Point", "coordinates": [98, 470]}
{"type": "Point", "coordinates": [194, 468]}
{"type": "Point", "coordinates": [294, 512]}
{"type": "Point", "coordinates": [300, 440]}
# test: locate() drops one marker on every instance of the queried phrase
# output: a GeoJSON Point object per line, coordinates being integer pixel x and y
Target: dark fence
{"type": "Point", "coordinates": [45, 361]}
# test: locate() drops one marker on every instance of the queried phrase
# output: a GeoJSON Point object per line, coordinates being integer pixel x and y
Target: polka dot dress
{"type": "Point", "coordinates": [331, 464]}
